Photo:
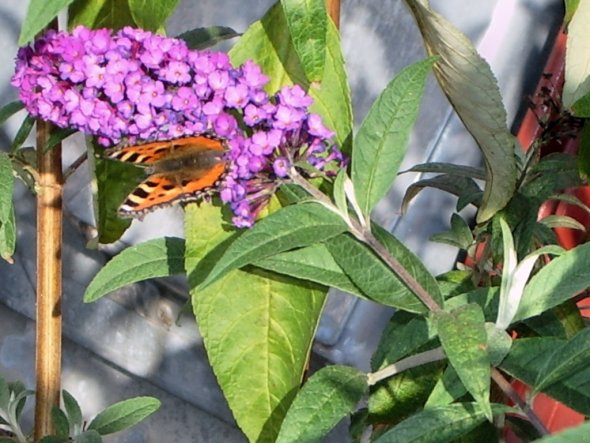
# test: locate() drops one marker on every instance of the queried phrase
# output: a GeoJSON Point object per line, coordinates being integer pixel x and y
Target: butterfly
{"type": "Point", "coordinates": [180, 170]}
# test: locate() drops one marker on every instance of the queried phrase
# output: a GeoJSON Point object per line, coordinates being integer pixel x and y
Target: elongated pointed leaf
{"type": "Point", "coordinates": [257, 327]}
{"type": "Point", "coordinates": [449, 169]}
{"type": "Point", "coordinates": [308, 25]}
{"type": "Point", "coordinates": [124, 414]}
{"type": "Point", "coordinates": [39, 14]}
{"type": "Point", "coordinates": [23, 132]}
{"type": "Point", "coordinates": [441, 424]}
{"type": "Point", "coordinates": [114, 180]}
{"type": "Point", "coordinates": [527, 357]}
{"type": "Point", "coordinates": [577, 56]}
{"type": "Point", "coordinates": [151, 14]}
{"type": "Point", "coordinates": [328, 396]}
{"type": "Point", "coordinates": [313, 263]}
{"type": "Point", "coordinates": [566, 361]}
{"type": "Point", "coordinates": [155, 258]}
{"type": "Point", "coordinates": [202, 38]}
{"type": "Point", "coordinates": [469, 83]}
{"type": "Point", "coordinates": [380, 144]}
{"type": "Point", "coordinates": [8, 237]}
{"type": "Point", "coordinates": [562, 221]}
{"type": "Point", "coordinates": [267, 43]}
{"type": "Point", "coordinates": [404, 335]}
{"type": "Point", "coordinates": [9, 109]}
{"type": "Point", "coordinates": [459, 186]}
{"type": "Point", "coordinates": [6, 187]}
{"type": "Point", "coordinates": [556, 282]}
{"type": "Point", "coordinates": [60, 422]}
{"type": "Point", "coordinates": [374, 278]}
{"type": "Point", "coordinates": [73, 411]}
{"type": "Point", "coordinates": [464, 339]}
{"type": "Point", "coordinates": [289, 228]}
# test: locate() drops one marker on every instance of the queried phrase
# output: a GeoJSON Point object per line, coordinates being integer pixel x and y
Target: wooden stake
{"type": "Point", "coordinates": [49, 273]}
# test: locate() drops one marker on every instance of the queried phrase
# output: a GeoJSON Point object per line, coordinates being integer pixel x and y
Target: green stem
{"type": "Point", "coordinates": [405, 364]}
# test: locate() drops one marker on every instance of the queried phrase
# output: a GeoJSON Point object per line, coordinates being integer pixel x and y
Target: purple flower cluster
{"type": "Point", "coordinates": [134, 86]}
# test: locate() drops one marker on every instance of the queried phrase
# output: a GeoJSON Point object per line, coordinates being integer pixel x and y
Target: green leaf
{"type": "Point", "coordinates": [380, 144]}
{"type": "Point", "coordinates": [289, 228]}
{"type": "Point", "coordinates": [39, 14]}
{"type": "Point", "coordinates": [90, 436]}
{"type": "Point", "coordinates": [464, 339]}
{"type": "Point", "coordinates": [114, 180]}
{"type": "Point", "coordinates": [112, 14]}
{"type": "Point", "coordinates": [567, 360]}
{"type": "Point", "coordinates": [257, 327]}
{"type": "Point", "coordinates": [6, 187]}
{"type": "Point", "coordinates": [472, 89]}
{"type": "Point", "coordinates": [448, 389]}
{"type": "Point", "coordinates": [499, 343]}
{"type": "Point", "coordinates": [124, 414]}
{"type": "Point", "coordinates": [151, 15]}
{"type": "Point", "coordinates": [23, 132]}
{"type": "Point", "coordinates": [307, 24]}
{"type": "Point", "coordinates": [578, 434]}
{"type": "Point", "coordinates": [202, 38]}
{"type": "Point", "coordinates": [556, 282]}
{"type": "Point", "coordinates": [452, 184]}
{"type": "Point", "coordinates": [325, 399]}
{"type": "Point", "coordinates": [375, 279]}
{"type": "Point", "coordinates": [313, 263]}
{"type": "Point", "coordinates": [562, 221]}
{"type": "Point", "coordinates": [332, 97]}
{"type": "Point", "coordinates": [404, 394]}
{"type": "Point", "coordinates": [528, 356]}
{"type": "Point", "coordinates": [9, 109]}
{"type": "Point", "coordinates": [552, 174]}
{"type": "Point", "coordinates": [60, 422]}
{"type": "Point", "coordinates": [449, 169]}
{"type": "Point", "coordinates": [459, 236]}
{"type": "Point", "coordinates": [266, 43]}
{"type": "Point", "coordinates": [404, 335]}
{"type": "Point", "coordinates": [439, 424]}
{"type": "Point", "coordinates": [73, 411]}
{"type": "Point", "coordinates": [8, 238]}
{"type": "Point", "coordinates": [160, 257]}
{"type": "Point", "coordinates": [577, 57]}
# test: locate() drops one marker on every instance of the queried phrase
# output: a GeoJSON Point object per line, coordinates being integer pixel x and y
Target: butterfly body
{"type": "Point", "coordinates": [181, 170]}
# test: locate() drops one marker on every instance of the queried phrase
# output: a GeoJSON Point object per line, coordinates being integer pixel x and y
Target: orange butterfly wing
{"type": "Point", "coordinates": [180, 170]}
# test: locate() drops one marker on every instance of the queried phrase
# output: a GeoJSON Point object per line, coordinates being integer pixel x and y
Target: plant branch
{"type": "Point", "coordinates": [49, 241]}
{"type": "Point", "coordinates": [405, 364]}
{"type": "Point", "coordinates": [364, 234]}
{"type": "Point", "coordinates": [507, 388]}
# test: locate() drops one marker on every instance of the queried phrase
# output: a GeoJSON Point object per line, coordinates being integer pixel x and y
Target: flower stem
{"type": "Point", "coordinates": [49, 242]}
